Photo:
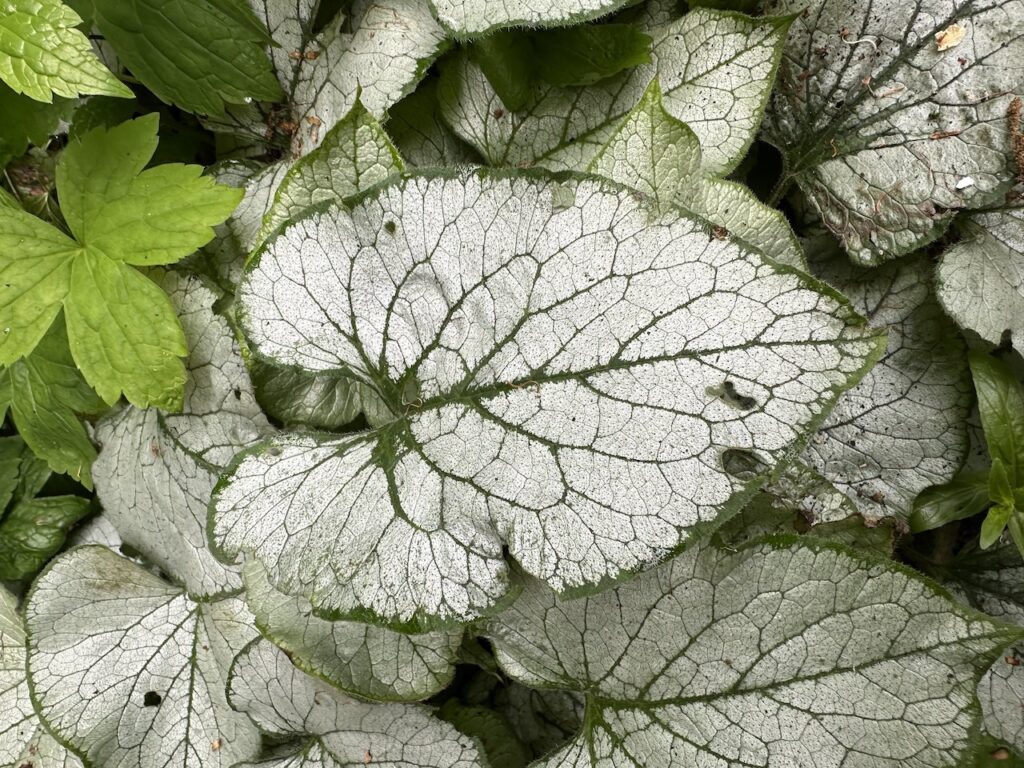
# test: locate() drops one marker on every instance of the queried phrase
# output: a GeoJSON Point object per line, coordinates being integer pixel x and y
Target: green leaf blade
{"type": "Point", "coordinates": [124, 334]}
{"type": "Point", "coordinates": [43, 53]}
{"type": "Point", "coordinates": [35, 530]}
{"type": "Point", "coordinates": [1001, 406]}
{"type": "Point", "coordinates": [198, 56]}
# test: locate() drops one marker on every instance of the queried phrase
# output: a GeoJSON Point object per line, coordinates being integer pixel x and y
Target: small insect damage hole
{"type": "Point", "coordinates": [732, 397]}
{"type": "Point", "coordinates": [151, 699]}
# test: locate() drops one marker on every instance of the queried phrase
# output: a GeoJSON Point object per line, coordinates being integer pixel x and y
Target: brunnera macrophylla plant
{"type": "Point", "coordinates": [552, 383]}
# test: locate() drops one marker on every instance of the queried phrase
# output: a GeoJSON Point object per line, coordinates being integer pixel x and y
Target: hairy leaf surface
{"type": "Point", "coordinates": [563, 366]}
{"type": "Point", "coordinates": [777, 654]}
{"type": "Point", "coordinates": [715, 69]}
{"type": "Point", "coordinates": [888, 132]}
{"type": "Point", "coordinates": [156, 472]}
{"type": "Point", "coordinates": [198, 55]}
{"type": "Point", "coordinates": [128, 670]}
{"type": "Point", "coordinates": [337, 731]}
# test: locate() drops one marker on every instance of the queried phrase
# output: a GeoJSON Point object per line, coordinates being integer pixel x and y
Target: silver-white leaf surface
{"type": "Point", "coordinates": [564, 367]}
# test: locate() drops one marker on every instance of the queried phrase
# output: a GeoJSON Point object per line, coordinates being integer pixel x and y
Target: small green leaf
{"type": "Point", "coordinates": [1001, 405]}
{"type": "Point", "coordinates": [28, 122]}
{"type": "Point", "coordinates": [589, 54]}
{"type": "Point", "coordinates": [34, 531]}
{"type": "Point", "coordinates": [507, 60]}
{"type": "Point", "coordinates": [966, 495]}
{"type": "Point", "coordinates": [42, 53]}
{"type": "Point", "coordinates": [490, 728]}
{"type": "Point", "coordinates": [45, 391]}
{"type": "Point", "coordinates": [122, 330]}
{"type": "Point", "coordinates": [197, 55]}
{"type": "Point", "coordinates": [999, 490]}
{"type": "Point", "coordinates": [1016, 526]}
{"type": "Point", "coordinates": [994, 524]}
{"type": "Point", "coordinates": [10, 461]}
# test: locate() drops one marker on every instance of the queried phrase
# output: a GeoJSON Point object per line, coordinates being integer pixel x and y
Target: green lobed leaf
{"type": "Point", "coordinates": [660, 156]}
{"type": "Point", "coordinates": [127, 669]}
{"type": "Point", "coordinates": [333, 730]}
{"type": "Point", "coordinates": [42, 53]}
{"type": "Point", "coordinates": [889, 132]}
{"type": "Point", "coordinates": [508, 322]}
{"type": "Point", "coordinates": [198, 55]}
{"type": "Point", "coordinates": [778, 653]}
{"type": "Point", "coordinates": [121, 327]}
{"type": "Point", "coordinates": [1001, 405]}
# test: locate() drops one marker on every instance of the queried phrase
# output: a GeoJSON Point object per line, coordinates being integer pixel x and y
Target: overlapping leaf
{"type": "Point", "coordinates": [361, 659]}
{"type": "Point", "coordinates": [470, 18]}
{"type": "Point", "coordinates": [893, 116]}
{"type": "Point", "coordinates": [980, 281]}
{"type": "Point", "coordinates": [903, 428]}
{"type": "Point", "coordinates": [121, 327]}
{"type": "Point", "coordinates": [128, 670]}
{"type": "Point", "coordinates": [198, 55]}
{"type": "Point", "coordinates": [716, 70]}
{"type": "Point", "coordinates": [563, 368]}
{"type": "Point", "coordinates": [43, 53]}
{"type": "Point", "coordinates": [659, 155]}
{"type": "Point", "coordinates": [23, 740]}
{"type": "Point", "coordinates": [776, 654]}
{"type": "Point", "coordinates": [337, 731]}
{"type": "Point", "coordinates": [156, 471]}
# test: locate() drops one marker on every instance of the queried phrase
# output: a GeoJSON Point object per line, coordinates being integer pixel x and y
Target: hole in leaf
{"type": "Point", "coordinates": [152, 699]}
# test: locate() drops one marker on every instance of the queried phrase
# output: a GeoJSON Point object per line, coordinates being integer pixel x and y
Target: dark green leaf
{"type": "Point", "coordinates": [198, 55]}
{"type": "Point", "coordinates": [34, 531]}
{"type": "Point", "coordinates": [507, 60]}
{"type": "Point", "coordinates": [10, 461]}
{"type": "Point", "coordinates": [1001, 404]}
{"type": "Point", "coordinates": [586, 55]}
{"type": "Point", "coordinates": [491, 729]}
{"type": "Point", "coordinates": [966, 495]}
{"type": "Point", "coordinates": [994, 524]}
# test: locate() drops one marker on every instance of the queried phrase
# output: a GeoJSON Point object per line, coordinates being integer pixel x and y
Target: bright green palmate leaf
{"type": "Point", "coordinates": [121, 327]}
{"type": "Point", "coordinates": [45, 392]}
{"type": "Point", "coordinates": [198, 55]}
{"type": "Point", "coordinates": [715, 69]}
{"type": "Point", "coordinates": [470, 18]}
{"type": "Point", "coordinates": [156, 471]}
{"type": "Point", "coordinates": [893, 116]}
{"type": "Point", "coordinates": [779, 653]}
{"type": "Point", "coordinates": [24, 743]}
{"type": "Point", "coordinates": [128, 670]}
{"type": "Point", "coordinates": [43, 53]}
{"type": "Point", "coordinates": [563, 368]}
{"type": "Point", "coordinates": [981, 280]}
{"type": "Point", "coordinates": [335, 731]}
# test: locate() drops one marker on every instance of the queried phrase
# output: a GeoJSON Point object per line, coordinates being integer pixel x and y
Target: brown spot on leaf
{"type": "Point", "coordinates": [950, 37]}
